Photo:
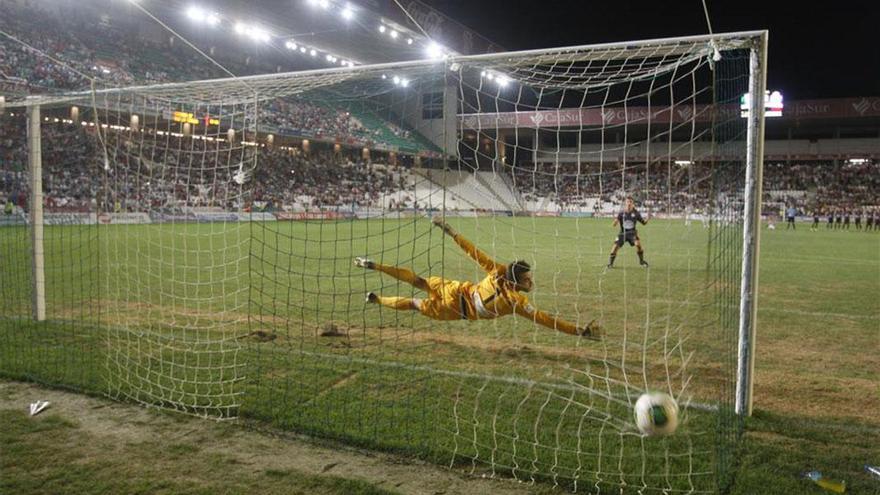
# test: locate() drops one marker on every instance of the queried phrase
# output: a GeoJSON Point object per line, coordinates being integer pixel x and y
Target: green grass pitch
{"type": "Point", "coordinates": [202, 316]}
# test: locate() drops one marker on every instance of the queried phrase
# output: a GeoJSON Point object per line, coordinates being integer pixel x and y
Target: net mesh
{"type": "Point", "coordinates": [208, 267]}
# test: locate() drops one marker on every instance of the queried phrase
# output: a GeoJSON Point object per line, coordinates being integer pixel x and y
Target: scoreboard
{"type": "Point", "coordinates": [772, 104]}
{"type": "Point", "coordinates": [189, 118]}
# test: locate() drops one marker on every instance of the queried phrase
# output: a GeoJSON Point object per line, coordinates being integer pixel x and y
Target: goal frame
{"type": "Point", "coordinates": [253, 87]}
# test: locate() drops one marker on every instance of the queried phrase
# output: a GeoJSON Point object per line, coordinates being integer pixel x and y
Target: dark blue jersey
{"type": "Point", "coordinates": [628, 219]}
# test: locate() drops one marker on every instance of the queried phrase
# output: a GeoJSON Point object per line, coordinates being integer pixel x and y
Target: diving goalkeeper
{"type": "Point", "coordinates": [498, 294]}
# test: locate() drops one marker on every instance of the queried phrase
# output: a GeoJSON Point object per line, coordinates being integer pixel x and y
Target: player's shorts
{"type": "Point", "coordinates": [624, 237]}
{"type": "Point", "coordinates": [790, 219]}
{"type": "Point", "coordinates": [445, 299]}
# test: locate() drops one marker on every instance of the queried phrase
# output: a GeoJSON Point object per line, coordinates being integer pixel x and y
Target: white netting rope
{"type": "Point", "coordinates": [645, 65]}
{"type": "Point", "coordinates": [177, 347]}
{"type": "Point", "coordinates": [179, 294]}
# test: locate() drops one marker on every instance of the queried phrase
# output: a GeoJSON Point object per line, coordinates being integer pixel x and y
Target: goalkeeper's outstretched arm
{"type": "Point", "coordinates": [591, 331]}
{"type": "Point", "coordinates": [467, 246]}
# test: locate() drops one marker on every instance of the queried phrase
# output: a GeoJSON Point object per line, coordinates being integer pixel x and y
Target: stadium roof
{"type": "Point", "coordinates": [364, 31]}
{"type": "Point", "coordinates": [321, 23]}
{"type": "Point", "coordinates": [648, 57]}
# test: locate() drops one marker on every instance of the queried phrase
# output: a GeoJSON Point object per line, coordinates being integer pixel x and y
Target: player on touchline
{"type": "Point", "coordinates": [627, 220]}
{"type": "Point", "coordinates": [498, 294]}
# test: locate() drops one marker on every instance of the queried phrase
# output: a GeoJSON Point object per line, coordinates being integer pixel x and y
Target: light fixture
{"type": "Point", "coordinates": [393, 34]}
{"type": "Point", "coordinates": [382, 28]}
{"type": "Point", "coordinates": [195, 13]}
{"type": "Point", "coordinates": [434, 50]}
{"type": "Point", "coordinates": [253, 32]}
{"type": "Point", "coordinates": [313, 53]}
{"type": "Point", "coordinates": [259, 35]}
{"type": "Point", "coordinates": [409, 41]}
{"type": "Point", "coordinates": [347, 13]}
{"type": "Point", "coordinates": [290, 45]}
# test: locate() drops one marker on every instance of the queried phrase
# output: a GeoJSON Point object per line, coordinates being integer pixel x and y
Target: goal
{"type": "Point", "coordinates": [190, 246]}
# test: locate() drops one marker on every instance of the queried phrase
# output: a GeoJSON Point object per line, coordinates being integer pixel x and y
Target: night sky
{"type": "Point", "coordinates": [825, 51]}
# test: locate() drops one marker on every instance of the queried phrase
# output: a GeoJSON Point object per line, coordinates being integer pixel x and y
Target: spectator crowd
{"type": "Point", "coordinates": [816, 187]}
{"type": "Point", "coordinates": [52, 53]}
{"type": "Point", "coordinates": [149, 173]}
{"type": "Point", "coordinates": [56, 54]}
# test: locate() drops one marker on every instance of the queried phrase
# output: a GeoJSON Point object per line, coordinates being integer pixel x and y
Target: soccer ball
{"type": "Point", "coordinates": [656, 414]}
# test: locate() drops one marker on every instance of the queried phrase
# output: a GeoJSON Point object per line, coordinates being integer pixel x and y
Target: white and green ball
{"type": "Point", "coordinates": [656, 413]}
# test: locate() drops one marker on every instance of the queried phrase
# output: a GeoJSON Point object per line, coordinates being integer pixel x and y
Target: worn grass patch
{"type": "Point", "coordinates": [51, 454]}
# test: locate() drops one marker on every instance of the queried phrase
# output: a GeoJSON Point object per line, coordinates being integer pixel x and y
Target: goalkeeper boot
{"type": "Point", "coordinates": [644, 263]}
{"type": "Point", "coordinates": [372, 297]}
{"type": "Point", "coordinates": [592, 331]}
{"type": "Point", "coordinates": [363, 262]}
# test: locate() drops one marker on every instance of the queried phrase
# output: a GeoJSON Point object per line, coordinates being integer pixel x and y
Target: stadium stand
{"type": "Point", "coordinates": [287, 179]}
{"type": "Point", "coordinates": [81, 47]}
{"type": "Point", "coordinates": [79, 44]}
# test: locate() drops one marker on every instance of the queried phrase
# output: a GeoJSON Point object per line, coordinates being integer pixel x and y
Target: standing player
{"type": "Point", "coordinates": [815, 226]}
{"type": "Point", "coordinates": [627, 220]}
{"type": "Point", "coordinates": [869, 220]}
{"type": "Point", "coordinates": [790, 213]}
{"type": "Point", "coordinates": [839, 220]}
{"type": "Point", "coordinates": [830, 218]}
{"type": "Point", "coordinates": [858, 215]}
{"type": "Point", "coordinates": [846, 219]}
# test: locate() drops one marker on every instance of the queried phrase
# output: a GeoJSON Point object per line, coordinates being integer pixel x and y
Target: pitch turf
{"type": "Point", "coordinates": [502, 395]}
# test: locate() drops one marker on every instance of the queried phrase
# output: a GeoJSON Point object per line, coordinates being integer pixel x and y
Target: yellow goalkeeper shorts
{"type": "Point", "coordinates": [446, 299]}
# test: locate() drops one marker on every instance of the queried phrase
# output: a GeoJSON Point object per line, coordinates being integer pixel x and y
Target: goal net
{"type": "Point", "coordinates": [203, 259]}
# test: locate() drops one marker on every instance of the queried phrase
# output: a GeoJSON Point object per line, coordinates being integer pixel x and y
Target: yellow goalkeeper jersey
{"type": "Point", "coordinates": [494, 296]}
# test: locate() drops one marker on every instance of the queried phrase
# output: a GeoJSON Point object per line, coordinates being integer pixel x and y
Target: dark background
{"type": "Point", "coordinates": [817, 49]}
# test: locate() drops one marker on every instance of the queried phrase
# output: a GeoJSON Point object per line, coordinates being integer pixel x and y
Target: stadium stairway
{"type": "Point", "coordinates": [500, 185]}
{"type": "Point", "coordinates": [464, 190]}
